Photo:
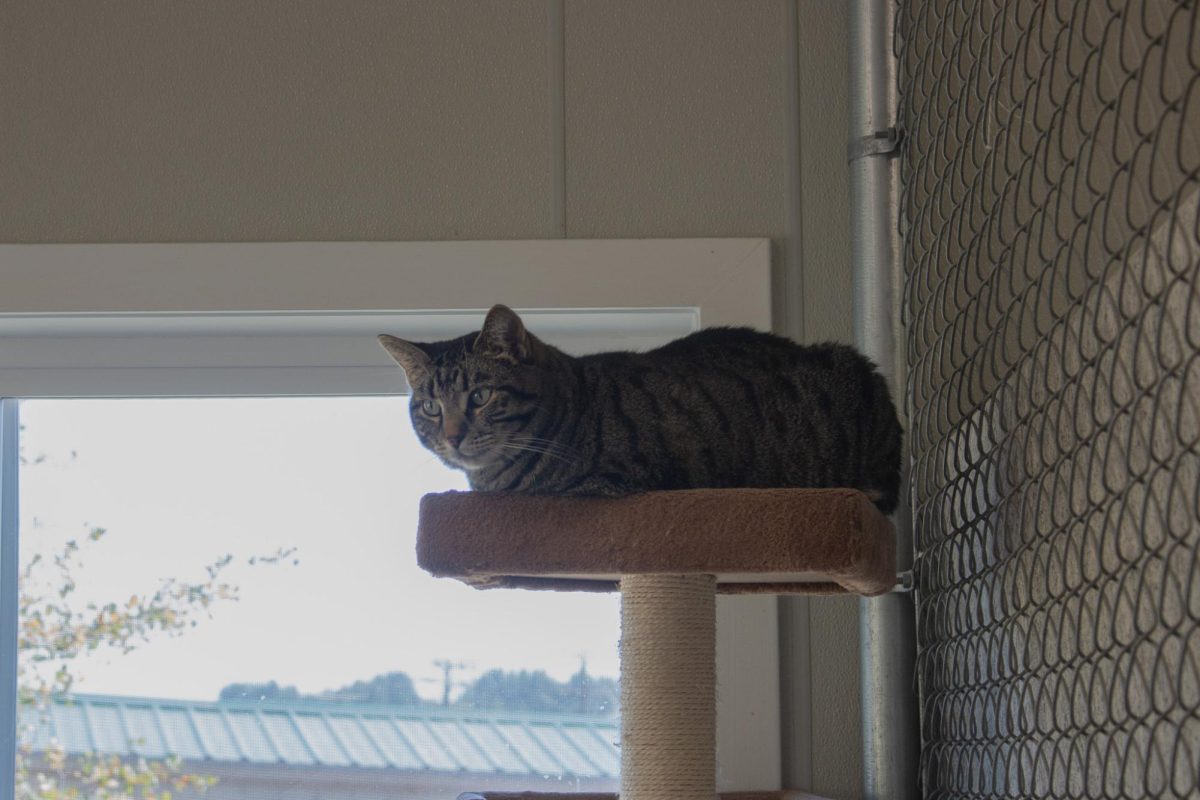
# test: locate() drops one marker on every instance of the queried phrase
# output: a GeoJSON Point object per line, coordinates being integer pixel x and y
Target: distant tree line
{"type": "Point", "coordinates": [394, 688]}
{"type": "Point", "coordinates": [536, 691]}
{"type": "Point", "coordinates": [497, 690]}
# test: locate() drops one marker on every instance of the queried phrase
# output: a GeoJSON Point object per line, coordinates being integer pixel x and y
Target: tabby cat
{"type": "Point", "coordinates": [722, 407]}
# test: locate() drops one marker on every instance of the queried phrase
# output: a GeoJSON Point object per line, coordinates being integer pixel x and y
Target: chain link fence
{"type": "Point", "coordinates": [1051, 177]}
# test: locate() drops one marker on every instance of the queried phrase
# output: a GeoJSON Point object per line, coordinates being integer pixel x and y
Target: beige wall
{"type": "Point", "coordinates": [150, 121]}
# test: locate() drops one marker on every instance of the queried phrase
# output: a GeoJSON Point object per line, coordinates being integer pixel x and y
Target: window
{"type": "Point", "coordinates": [279, 320]}
{"type": "Point", "coordinates": [295, 632]}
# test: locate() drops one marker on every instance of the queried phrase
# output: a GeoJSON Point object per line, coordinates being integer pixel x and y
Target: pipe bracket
{"type": "Point", "coordinates": [879, 143]}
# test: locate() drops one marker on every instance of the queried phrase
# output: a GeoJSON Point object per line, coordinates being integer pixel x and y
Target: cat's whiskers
{"type": "Point", "coordinates": [534, 449]}
{"type": "Point", "coordinates": [516, 447]}
{"type": "Point", "coordinates": [546, 444]}
{"type": "Point", "coordinates": [538, 440]}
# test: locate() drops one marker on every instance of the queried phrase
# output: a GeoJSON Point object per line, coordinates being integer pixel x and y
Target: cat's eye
{"type": "Point", "coordinates": [431, 407]}
{"type": "Point", "coordinates": [480, 397]}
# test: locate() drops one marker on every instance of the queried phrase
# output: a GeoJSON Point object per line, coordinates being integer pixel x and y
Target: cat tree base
{"type": "Point", "coordinates": [668, 553]}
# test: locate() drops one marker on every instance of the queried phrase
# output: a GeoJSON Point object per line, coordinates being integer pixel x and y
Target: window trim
{"type": "Point", "coordinates": [76, 320]}
{"type": "Point", "coordinates": [247, 354]}
{"type": "Point", "coordinates": [9, 528]}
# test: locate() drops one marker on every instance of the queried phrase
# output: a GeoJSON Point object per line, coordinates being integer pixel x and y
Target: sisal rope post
{"type": "Point", "coordinates": [668, 687]}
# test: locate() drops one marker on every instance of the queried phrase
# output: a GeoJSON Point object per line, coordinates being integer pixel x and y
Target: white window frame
{"type": "Point", "coordinates": [278, 319]}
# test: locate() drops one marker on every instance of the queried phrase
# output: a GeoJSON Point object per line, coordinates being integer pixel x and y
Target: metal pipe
{"type": "Point", "coordinates": [8, 596]}
{"type": "Point", "coordinates": [887, 625]}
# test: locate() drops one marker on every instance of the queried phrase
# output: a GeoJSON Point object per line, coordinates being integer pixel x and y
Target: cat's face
{"type": "Point", "coordinates": [475, 399]}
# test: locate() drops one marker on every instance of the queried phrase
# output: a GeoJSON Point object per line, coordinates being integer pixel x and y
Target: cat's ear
{"type": "Point", "coordinates": [504, 337]}
{"type": "Point", "coordinates": [411, 358]}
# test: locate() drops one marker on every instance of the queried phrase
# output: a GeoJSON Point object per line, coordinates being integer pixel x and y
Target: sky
{"type": "Point", "coordinates": [180, 483]}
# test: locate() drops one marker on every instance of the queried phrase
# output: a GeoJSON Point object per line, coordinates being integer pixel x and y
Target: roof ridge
{"type": "Point", "coordinates": [423, 711]}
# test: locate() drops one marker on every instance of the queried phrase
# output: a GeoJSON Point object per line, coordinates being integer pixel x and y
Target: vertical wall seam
{"type": "Point", "coordinates": [794, 268]}
{"type": "Point", "coordinates": [795, 666]}
{"type": "Point", "coordinates": [557, 83]}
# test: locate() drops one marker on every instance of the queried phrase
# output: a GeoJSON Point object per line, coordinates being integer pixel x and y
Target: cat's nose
{"type": "Point", "coordinates": [455, 438]}
{"type": "Point", "coordinates": [454, 428]}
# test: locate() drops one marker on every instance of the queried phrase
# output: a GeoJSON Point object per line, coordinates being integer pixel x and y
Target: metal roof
{"type": "Point", "coordinates": [306, 733]}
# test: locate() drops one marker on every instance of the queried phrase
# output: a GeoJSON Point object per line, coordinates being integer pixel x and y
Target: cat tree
{"type": "Point", "coordinates": [669, 554]}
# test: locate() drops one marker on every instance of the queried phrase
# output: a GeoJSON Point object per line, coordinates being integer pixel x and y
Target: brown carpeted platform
{"type": "Point", "coordinates": [782, 541]}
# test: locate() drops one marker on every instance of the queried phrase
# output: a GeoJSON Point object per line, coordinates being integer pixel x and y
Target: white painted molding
{"type": "Point", "coordinates": [240, 354]}
{"type": "Point", "coordinates": [725, 277]}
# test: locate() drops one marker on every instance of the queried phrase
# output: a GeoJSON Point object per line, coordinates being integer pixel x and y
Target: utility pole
{"type": "Point", "coordinates": [448, 667]}
{"type": "Point", "coordinates": [583, 683]}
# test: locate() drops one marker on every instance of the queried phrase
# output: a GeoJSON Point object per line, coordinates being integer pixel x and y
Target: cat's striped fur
{"type": "Point", "coordinates": [722, 407]}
